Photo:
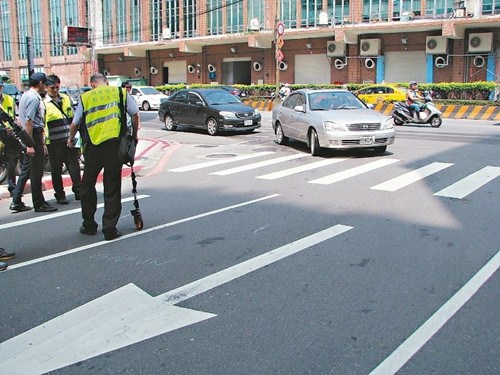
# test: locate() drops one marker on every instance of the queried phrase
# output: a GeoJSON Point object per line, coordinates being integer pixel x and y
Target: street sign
{"type": "Point", "coordinates": [280, 56]}
{"type": "Point", "coordinates": [280, 28]}
{"type": "Point", "coordinates": [75, 35]}
{"type": "Point", "coordinates": [280, 42]}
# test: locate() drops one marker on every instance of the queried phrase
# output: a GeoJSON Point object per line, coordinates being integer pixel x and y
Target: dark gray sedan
{"type": "Point", "coordinates": [331, 119]}
{"type": "Point", "coordinates": [212, 109]}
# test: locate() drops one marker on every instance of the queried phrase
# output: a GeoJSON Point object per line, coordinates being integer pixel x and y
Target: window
{"type": "Point", "coordinates": [290, 101]}
{"type": "Point", "coordinates": [214, 17]}
{"type": "Point", "coordinates": [107, 21]}
{"type": "Point", "coordinates": [180, 97]}
{"type": "Point", "coordinates": [194, 99]}
{"type": "Point", "coordinates": [22, 22]}
{"type": "Point", "coordinates": [289, 13]}
{"type": "Point", "coordinates": [72, 20]}
{"type": "Point", "coordinates": [339, 12]}
{"type": "Point", "coordinates": [375, 10]}
{"type": "Point", "coordinates": [121, 21]}
{"type": "Point", "coordinates": [189, 18]}
{"type": "Point", "coordinates": [55, 27]}
{"type": "Point", "coordinates": [5, 30]}
{"type": "Point", "coordinates": [234, 16]}
{"type": "Point", "coordinates": [173, 17]}
{"type": "Point", "coordinates": [310, 10]}
{"type": "Point", "coordinates": [438, 8]}
{"type": "Point", "coordinates": [256, 9]}
{"type": "Point", "coordinates": [135, 20]}
{"type": "Point", "coordinates": [405, 6]}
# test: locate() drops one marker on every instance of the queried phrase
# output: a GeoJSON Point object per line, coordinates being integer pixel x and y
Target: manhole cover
{"type": "Point", "coordinates": [206, 146]}
{"type": "Point", "coordinates": [221, 156]}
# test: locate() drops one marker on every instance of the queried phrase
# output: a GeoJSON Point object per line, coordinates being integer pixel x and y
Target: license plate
{"type": "Point", "coordinates": [247, 122]}
{"type": "Point", "coordinates": [366, 140]}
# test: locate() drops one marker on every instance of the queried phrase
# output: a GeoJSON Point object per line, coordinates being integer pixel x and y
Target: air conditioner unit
{"type": "Point", "coordinates": [105, 72]}
{"type": "Point", "coordinates": [436, 45]}
{"type": "Point", "coordinates": [369, 47]}
{"type": "Point", "coordinates": [137, 71]}
{"type": "Point", "coordinates": [257, 66]}
{"type": "Point", "coordinates": [254, 24]}
{"type": "Point", "coordinates": [165, 34]}
{"type": "Point", "coordinates": [335, 49]}
{"type": "Point", "coordinates": [153, 70]}
{"type": "Point", "coordinates": [480, 42]}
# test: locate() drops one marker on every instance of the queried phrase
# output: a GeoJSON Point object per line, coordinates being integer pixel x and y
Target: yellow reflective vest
{"type": "Point", "coordinates": [102, 113]}
{"type": "Point", "coordinates": [8, 105]}
{"type": "Point", "coordinates": [57, 122]}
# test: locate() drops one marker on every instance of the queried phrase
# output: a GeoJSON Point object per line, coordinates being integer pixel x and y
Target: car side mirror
{"type": "Point", "coordinates": [299, 108]}
{"type": "Point", "coordinates": [370, 106]}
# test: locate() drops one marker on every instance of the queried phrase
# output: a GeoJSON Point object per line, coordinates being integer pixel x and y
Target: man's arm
{"type": "Point", "coordinates": [73, 128]}
{"type": "Point", "coordinates": [135, 126]}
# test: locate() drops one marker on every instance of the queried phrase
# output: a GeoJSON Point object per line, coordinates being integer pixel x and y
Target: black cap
{"type": "Point", "coordinates": [38, 77]}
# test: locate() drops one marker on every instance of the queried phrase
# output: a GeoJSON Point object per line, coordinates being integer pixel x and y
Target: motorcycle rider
{"type": "Point", "coordinates": [411, 97]}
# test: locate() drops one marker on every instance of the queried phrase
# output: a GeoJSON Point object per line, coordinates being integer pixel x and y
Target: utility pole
{"type": "Point", "coordinates": [276, 48]}
{"type": "Point", "coordinates": [30, 55]}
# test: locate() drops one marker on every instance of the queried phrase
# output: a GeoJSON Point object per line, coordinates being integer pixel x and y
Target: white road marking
{"type": "Point", "coordinates": [260, 164]}
{"type": "Point", "coordinates": [127, 316]}
{"type": "Point", "coordinates": [467, 185]}
{"type": "Point", "coordinates": [411, 177]}
{"type": "Point", "coordinates": [209, 282]}
{"type": "Point", "coordinates": [336, 177]}
{"type": "Point", "coordinates": [419, 338]}
{"type": "Point", "coordinates": [194, 167]}
{"type": "Point", "coordinates": [58, 214]}
{"type": "Point", "coordinates": [299, 169]}
{"type": "Point", "coordinates": [138, 233]}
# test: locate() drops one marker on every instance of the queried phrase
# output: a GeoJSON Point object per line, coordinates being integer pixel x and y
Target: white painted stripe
{"type": "Point", "coordinates": [261, 164]}
{"type": "Point", "coordinates": [467, 185]}
{"type": "Point", "coordinates": [299, 169]}
{"type": "Point", "coordinates": [411, 177]}
{"type": "Point", "coordinates": [419, 338]}
{"type": "Point", "coordinates": [139, 233]}
{"type": "Point", "coordinates": [58, 214]}
{"type": "Point", "coordinates": [194, 167]}
{"type": "Point", "coordinates": [212, 281]}
{"type": "Point", "coordinates": [336, 177]}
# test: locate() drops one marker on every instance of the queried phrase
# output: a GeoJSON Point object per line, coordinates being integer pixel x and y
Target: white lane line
{"type": "Point", "coordinates": [411, 177]}
{"type": "Point", "coordinates": [204, 284]}
{"type": "Point", "coordinates": [194, 167]}
{"type": "Point", "coordinates": [140, 233]}
{"type": "Point", "coordinates": [467, 185]}
{"type": "Point", "coordinates": [336, 177]}
{"type": "Point", "coordinates": [58, 214]}
{"type": "Point", "coordinates": [419, 338]}
{"type": "Point", "coordinates": [299, 169]}
{"type": "Point", "coordinates": [261, 164]}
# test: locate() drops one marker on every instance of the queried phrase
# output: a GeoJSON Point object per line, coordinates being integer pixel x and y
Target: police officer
{"type": "Point", "coordinates": [99, 116]}
{"type": "Point", "coordinates": [12, 150]}
{"type": "Point", "coordinates": [32, 118]}
{"type": "Point", "coordinates": [58, 117]}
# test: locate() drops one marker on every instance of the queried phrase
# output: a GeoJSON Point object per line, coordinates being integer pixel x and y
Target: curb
{"type": "Point", "coordinates": [456, 112]}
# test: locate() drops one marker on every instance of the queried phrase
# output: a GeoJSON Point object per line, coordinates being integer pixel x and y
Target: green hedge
{"type": "Point", "coordinates": [444, 90]}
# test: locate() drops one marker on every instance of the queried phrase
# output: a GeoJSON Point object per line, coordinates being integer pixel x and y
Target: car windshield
{"type": "Point", "coordinates": [150, 91]}
{"type": "Point", "coordinates": [218, 97]}
{"type": "Point", "coordinates": [328, 101]}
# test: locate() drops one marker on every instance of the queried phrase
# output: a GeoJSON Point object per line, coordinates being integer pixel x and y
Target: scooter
{"type": "Point", "coordinates": [428, 114]}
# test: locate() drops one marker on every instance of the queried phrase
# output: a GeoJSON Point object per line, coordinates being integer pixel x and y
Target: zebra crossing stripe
{"type": "Point", "coordinates": [411, 177]}
{"type": "Point", "coordinates": [467, 185]}
{"type": "Point", "coordinates": [302, 168]}
{"type": "Point", "coordinates": [327, 180]}
{"type": "Point", "coordinates": [207, 164]}
{"type": "Point", "coordinates": [258, 164]}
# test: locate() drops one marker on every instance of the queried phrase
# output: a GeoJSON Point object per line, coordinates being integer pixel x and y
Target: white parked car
{"type": "Point", "coordinates": [147, 97]}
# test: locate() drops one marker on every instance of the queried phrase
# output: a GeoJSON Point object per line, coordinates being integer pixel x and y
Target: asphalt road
{"type": "Point", "coordinates": [252, 262]}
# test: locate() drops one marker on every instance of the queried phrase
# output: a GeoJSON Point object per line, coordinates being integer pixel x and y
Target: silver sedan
{"type": "Point", "coordinates": [331, 119]}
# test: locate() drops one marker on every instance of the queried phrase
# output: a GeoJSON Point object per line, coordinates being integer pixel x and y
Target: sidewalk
{"type": "Point", "coordinates": [149, 155]}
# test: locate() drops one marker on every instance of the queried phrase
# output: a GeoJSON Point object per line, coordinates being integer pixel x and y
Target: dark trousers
{"type": "Point", "coordinates": [98, 157]}
{"type": "Point", "coordinates": [13, 156]}
{"type": "Point", "coordinates": [32, 168]}
{"type": "Point", "coordinates": [59, 154]}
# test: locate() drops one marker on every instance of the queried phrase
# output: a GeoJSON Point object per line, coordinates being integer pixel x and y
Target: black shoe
{"type": "Point", "coordinates": [5, 255]}
{"type": "Point", "coordinates": [19, 207]}
{"type": "Point", "coordinates": [3, 266]}
{"type": "Point", "coordinates": [45, 208]}
{"type": "Point", "coordinates": [62, 201]}
{"type": "Point", "coordinates": [84, 230]}
{"type": "Point", "coordinates": [77, 197]}
{"type": "Point", "coordinates": [111, 235]}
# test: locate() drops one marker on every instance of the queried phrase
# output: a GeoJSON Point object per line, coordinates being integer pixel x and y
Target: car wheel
{"type": "Point", "coordinates": [281, 139]}
{"type": "Point", "coordinates": [436, 121]}
{"type": "Point", "coordinates": [314, 143]}
{"type": "Point", "coordinates": [397, 121]}
{"type": "Point", "coordinates": [146, 106]}
{"type": "Point", "coordinates": [212, 126]}
{"type": "Point", "coordinates": [169, 123]}
{"type": "Point", "coordinates": [380, 149]}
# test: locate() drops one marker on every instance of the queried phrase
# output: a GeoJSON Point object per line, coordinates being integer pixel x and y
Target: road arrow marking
{"type": "Point", "coordinates": [123, 317]}
{"type": "Point", "coordinates": [127, 316]}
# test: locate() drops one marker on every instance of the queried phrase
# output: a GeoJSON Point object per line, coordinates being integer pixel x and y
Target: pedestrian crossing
{"type": "Point", "coordinates": [458, 190]}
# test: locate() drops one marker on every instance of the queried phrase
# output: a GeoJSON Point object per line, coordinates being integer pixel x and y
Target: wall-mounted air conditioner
{"type": "Point", "coordinates": [436, 45]}
{"type": "Point", "coordinates": [480, 42]}
{"type": "Point", "coordinates": [335, 49]}
{"type": "Point", "coordinates": [165, 34]}
{"type": "Point", "coordinates": [369, 47]}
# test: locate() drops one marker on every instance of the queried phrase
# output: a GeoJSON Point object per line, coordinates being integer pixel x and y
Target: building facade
{"type": "Point", "coordinates": [233, 41]}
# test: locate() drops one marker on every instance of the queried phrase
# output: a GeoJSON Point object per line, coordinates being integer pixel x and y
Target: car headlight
{"type": "Point", "coordinates": [333, 126]}
{"type": "Point", "coordinates": [388, 124]}
{"type": "Point", "coordinates": [227, 114]}
{"type": "Point", "coordinates": [256, 111]}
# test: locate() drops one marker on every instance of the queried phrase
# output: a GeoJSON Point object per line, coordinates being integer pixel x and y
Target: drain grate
{"type": "Point", "coordinates": [220, 156]}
